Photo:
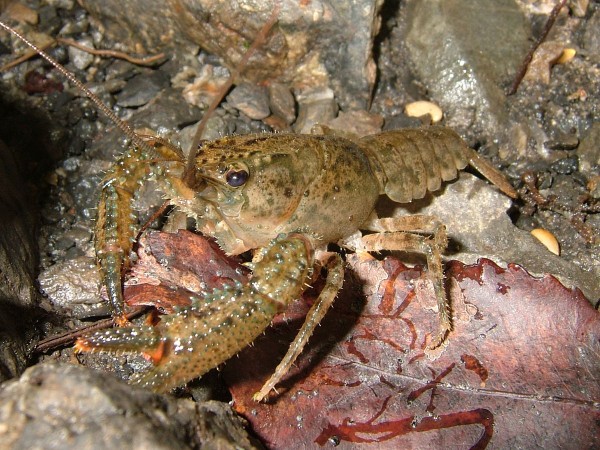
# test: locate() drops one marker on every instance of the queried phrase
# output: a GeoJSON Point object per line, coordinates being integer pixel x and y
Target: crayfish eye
{"type": "Point", "coordinates": [236, 178]}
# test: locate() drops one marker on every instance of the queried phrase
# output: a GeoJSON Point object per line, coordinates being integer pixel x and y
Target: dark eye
{"type": "Point", "coordinates": [236, 178]}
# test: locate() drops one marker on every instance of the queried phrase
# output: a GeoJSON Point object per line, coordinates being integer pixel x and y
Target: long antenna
{"type": "Point", "coordinates": [122, 125]}
{"type": "Point", "coordinates": [258, 41]}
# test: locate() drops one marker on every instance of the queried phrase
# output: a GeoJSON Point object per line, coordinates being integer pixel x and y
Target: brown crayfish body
{"type": "Point", "coordinates": [289, 195]}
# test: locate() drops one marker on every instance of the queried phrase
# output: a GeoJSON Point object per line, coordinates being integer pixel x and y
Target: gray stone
{"type": "Point", "coordinates": [74, 286]}
{"type": "Point", "coordinates": [315, 106]}
{"type": "Point", "coordinates": [81, 59]}
{"type": "Point", "coordinates": [591, 36]}
{"type": "Point", "coordinates": [19, 298]}
{"type": "Point", "coordinates": [357, 123]}
{"type": "Point", "coordinates": [589, 151]}
{"type": "Point", "coordinates": [142, 88]}
{"type": "Point", "coordinates": [63, 406]}
{"type": "Point", "coordinates": [282, 102]}
{"type": "Point", "coordinates": [250, 99]}
{"type": "Point", "coordinates": [455, 48]}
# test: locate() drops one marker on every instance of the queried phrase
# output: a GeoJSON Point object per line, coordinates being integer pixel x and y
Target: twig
{"type": "Point", "coordinates": [68, 337]}
{"type": "Point", "coordinates": [146, 61]}
{"type": "Point", "coordinates": [541, 38]}
{"type": "Point", "coordinates": [29, 54]}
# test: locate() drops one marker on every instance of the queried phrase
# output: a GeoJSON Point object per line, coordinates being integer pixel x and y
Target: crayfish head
{"type": "Point", "coordinates": [254, 185]}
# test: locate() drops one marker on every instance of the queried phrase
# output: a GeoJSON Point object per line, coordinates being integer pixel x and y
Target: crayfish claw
{"type": "Point", "coordinates": [121, 320]}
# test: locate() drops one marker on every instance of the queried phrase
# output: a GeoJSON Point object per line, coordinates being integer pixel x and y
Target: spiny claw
{"type": "Point", "coordinates": [217, 325]}
{"type": "Point", "coordinates": [144, 339]}
{"type": "Point", "coordinates": [121, 321]}
{"type": "Point", "coordinates": [439, 339]}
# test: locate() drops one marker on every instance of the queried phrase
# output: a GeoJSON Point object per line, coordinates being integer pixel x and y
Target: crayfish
{"type": "Point", "coordinates": [287, 195]}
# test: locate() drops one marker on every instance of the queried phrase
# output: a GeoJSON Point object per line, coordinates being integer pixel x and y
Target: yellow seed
{"type": "Point", "coordinates": [567, 55]}
{"type": "Point", "coordinates": [421, 108]}
{"type": "Point", "coordinates": [546, 238]}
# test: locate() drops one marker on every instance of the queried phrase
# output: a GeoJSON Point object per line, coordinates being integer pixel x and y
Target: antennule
{"type": "Point", "coordinates": [122, 125]}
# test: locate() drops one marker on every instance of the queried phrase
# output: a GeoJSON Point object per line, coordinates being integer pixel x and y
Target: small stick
{"type": "Point", "coordinates": [527, 60]}
{"type": "Point", "coordinates": [28, 55]}
{"type": "Point", "coordinates": [146, 61]}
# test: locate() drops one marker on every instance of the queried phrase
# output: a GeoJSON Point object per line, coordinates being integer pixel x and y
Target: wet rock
{"type": "Point", "coordinates": [74, 287]}
{"type": "Point", "coordinates": [19, 298]}
{"type": "Point", "coordinates": [589, 151]}
{"type": "Point", "coordinates": [591, 37]}
{"type": "Point", "coordinates": [65, 406]}
{"type": "Point", "coordinates": [314, 106]}
{"type": "Point", "coordinates": [546, 55]}
{"type": "Point", "coordinates": [358, 123]}
{"type": "Point", "coordinates": [142, 88]}
{"type": "Point", "coordinates": [201, 85]}
{"type": "Point", "coordinates": [19, 12]}
{"type": "Point", "coordinates": [250, 99]}
{"type": "Point", "coordinates": [566, 166]}
{"type": "Point", "coordinates": [166, 112]}
{"type": "Point", "coordinates": [465, 53]}
{"type": "Point", "coordinates": [282, 102]}
{"type": "Point", "coordinates": [579, 7]}
{"type": "Point", "coordinates": [314, 43]}
{"type": "Point", "coordinates": [562, 141]}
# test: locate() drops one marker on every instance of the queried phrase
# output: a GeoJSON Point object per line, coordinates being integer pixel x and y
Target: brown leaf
{"type": "Point", "coordinates": [521, 368]}
{"type": "Point", "coordinates": [173, 267]}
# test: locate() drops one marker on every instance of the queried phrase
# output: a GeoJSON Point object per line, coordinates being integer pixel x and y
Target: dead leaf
{"type": "Point", "coordinates": [520, 369]}
{"type": "Point", "coordinates": [172, 267]}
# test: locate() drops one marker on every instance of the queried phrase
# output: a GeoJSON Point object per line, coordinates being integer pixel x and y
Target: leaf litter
{"type": "Point", "coordinates": [520, 368]}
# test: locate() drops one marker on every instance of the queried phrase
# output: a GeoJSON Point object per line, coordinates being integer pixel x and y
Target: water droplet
{"type": "Point", "coordinates": [334, 440]}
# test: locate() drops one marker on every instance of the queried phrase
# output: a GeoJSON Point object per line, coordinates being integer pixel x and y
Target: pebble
{"type": "Point", "coordinates": [21, 13]}
{"type": "Point", "coordinates": [546, 238]}
{"type": "Point", "coordinates": [562, 142]}
{"type": "Point", "coordinates": [316, 105]}
{"type": "Point", "coordinates": [591, 38]}
{"type": "Point", "coordinates": [142, 88]}
{"type": "Point", "coordinates": [566, 166]}
{"type": "Point", "coordinates": [546, 55]}
{"type": "Point", "coordinates": [80, 58]}
{"type": "Point", "coordinates": [359, 123]}
{"type": "Point", "coordinates": [421, 108]}
{"type": "Point", "coordinates": [282, 102]}
{"type": "Point", "coordinates": [579, 7]}
{"type": "Point", "coordinates": [250, 99]}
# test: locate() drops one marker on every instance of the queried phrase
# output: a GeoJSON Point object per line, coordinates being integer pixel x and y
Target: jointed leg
{"type": "Point", "coordinates": [115, 227]}
{"type": "Point", "coordinates": [398, 234]}
{"type": "Point", "coordinates": [333, 283]}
